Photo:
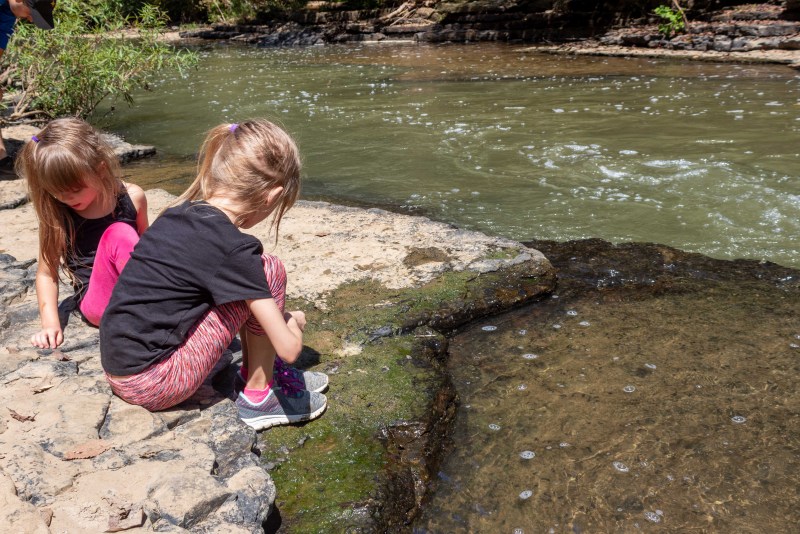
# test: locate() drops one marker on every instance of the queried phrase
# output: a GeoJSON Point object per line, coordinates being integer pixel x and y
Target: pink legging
{"type": "Point", "coordinates": [175, 379]}
{"type": "Point", "coordinates": [113, 253]}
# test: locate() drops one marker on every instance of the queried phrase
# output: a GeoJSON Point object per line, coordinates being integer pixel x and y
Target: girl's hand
{"type": "Point", "coordinates": [298, 316]}
{"type": "Point", "coordinates": [48, 338]}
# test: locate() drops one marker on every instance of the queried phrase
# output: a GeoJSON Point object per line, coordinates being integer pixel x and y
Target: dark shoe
{"type": "Point", "coordinates": [7, 171]}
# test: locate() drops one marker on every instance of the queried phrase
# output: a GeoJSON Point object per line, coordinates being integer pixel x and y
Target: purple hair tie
{"type": "Point", "coordinates": [233, 127]}
{"type": "Point", "coordinates": [34, 139]}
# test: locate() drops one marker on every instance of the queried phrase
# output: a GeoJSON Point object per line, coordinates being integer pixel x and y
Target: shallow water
{"type": "Point", "coordinates": [700, 156]}
{"type": "Point", "coordinates": [655, 391]}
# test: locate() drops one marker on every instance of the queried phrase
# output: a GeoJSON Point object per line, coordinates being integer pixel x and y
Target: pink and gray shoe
{"type": "Point", "coordinates": [288, 379]}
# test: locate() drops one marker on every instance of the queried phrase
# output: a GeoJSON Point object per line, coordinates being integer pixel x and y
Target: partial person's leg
{"type": "Point", "coordinates": [258, 366]}
{"type": "Point", "coordinates": [172, 381]}
{"type": "Point", "coordinates": [113, 253]}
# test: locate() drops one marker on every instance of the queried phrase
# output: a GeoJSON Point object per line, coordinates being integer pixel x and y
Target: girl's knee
{"type": "Point", "coordinates": [273, 267]}
{"type": "Point", "coordinates": [120, 232]}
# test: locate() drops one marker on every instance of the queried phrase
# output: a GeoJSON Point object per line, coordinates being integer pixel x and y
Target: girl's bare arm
{"type": "Point", "coordinates": [140, 203]}
{"type": "Point", "coordinates": [51, 335]}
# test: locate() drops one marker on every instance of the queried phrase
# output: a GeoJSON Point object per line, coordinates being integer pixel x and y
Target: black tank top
{"type": "Point", "coordinates": [80, 258]}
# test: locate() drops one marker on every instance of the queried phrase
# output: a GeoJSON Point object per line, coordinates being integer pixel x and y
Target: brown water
{"type": "Point", "coordinates": [699, 156]}
{"type": "Point", "coordinates": [656, 391]}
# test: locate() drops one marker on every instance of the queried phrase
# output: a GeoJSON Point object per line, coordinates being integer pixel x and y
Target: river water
{"type": "Point", "coordinates": [699, 156]}
{"type": "Point", "coordinates": [656, 390]}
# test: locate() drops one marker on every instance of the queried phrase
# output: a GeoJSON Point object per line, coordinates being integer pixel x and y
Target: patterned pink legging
{"type": "Point", "coordinates": [175, 379]}
{"type": "Point", "coordinates": [113, 253]}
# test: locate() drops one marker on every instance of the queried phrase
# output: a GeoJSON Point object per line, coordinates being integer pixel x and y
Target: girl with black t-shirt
{"type": "Point", "coordinates": [194, 280]}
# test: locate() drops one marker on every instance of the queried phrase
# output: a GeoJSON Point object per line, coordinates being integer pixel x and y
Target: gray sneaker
{"type": "Point", "coordinates": [280, 408]}
{"type": "Point", "coordinates": [289, 379]}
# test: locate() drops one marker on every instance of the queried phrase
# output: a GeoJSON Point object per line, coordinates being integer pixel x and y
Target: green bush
{"type": "Point", "coordinates": [672, 21]}
{"type": "Point", "coordinates": [71, 69]}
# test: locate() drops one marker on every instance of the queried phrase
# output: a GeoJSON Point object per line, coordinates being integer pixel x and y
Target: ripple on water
{"type": "Point", "coordinates": [621, 467]}
{"type": "Point", "coordinates": [652, 517]}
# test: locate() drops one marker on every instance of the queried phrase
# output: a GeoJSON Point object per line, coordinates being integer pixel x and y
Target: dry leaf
{"type": "Point", "coordinates": [125, 519]}
{"type": "Point", "coordinates": [46, 515]}
{"type": "Point", "coordinates": [60, 356]}
{"type": "Point", "coordinates": [40, 389]}
{"type": "Point", "coordinates": [89, 449]}
{"type": "Point", "coordinates": [22, 418]}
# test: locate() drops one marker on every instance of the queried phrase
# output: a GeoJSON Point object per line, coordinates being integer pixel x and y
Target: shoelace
{"type": "Point", "coordinates": [288, 378]}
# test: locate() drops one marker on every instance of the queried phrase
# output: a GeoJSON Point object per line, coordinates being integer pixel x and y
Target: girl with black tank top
{"type": "Point", "coordinates": [89, 220]}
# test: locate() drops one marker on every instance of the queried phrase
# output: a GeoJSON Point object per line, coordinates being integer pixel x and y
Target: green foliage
{"type": "Point", "coordinates": [87, 57]}
{"type": "Point", "coordinates": [671, 21]}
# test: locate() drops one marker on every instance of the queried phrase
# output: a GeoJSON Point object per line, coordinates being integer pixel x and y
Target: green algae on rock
{"type": "Point", "coordinates": [366, 464]}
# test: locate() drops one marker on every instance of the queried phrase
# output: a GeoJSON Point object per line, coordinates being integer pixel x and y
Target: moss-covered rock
{"type": "Point", "coordinates": [366, 464]}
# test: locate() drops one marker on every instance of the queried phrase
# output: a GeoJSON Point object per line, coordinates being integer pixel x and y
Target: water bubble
{"type": "Point", "coordinates": [527, 455]}
{"type": "Point", "coordinates": [556, 296]}
{"type": "Point", "coordinates": [530, 356]}
{"type": "Point", "coordinates": [619, 466]}
{"type": "Point", "coordinates": [572, 313]}
{"type": "Point", "coordinates": [652, 516]}
{"type": "Point", "coordinates": [522, 387]}
{"type": "Point", "coordinates": [525, 494]}
{"type": "Point", "coordinates": [794, 346]}
{"type": "Point", "coordinates": [650, 365]}
{"type": "Point", "coordinates": [489, 328]}
{"type": "Point", "coordinates": [629, 389]}
{"type": "Point", "coordinates": [494, 426]}
{"type": "Point", "coordinates": [584, 323]}
{"type": "Point", "coordinates": [556, 326]}
{"type": "Point", "coordinates": [738, 419]}
{"type": "Point", "coordinates": [563, 444]}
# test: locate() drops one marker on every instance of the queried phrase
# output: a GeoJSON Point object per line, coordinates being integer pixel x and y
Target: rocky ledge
{"type": "Point", "coordinates": [380, 290]}
{"type": "Point", "coordinates": [750, 32]}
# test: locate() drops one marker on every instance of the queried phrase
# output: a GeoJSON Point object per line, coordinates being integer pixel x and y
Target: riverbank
{"type": "Point", "coordinates": [380, 291]}
{"type": "Point", "coordinates": [761, 33]}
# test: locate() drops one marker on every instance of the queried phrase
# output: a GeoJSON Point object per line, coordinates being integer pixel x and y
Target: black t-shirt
{"type": "Point", "coordinates": [190, 259]}
{"type": "Point", "coordinates": [80, 257]}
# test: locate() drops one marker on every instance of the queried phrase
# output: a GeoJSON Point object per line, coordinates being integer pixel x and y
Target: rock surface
{"type": "Point", "coordinates": [74, 458]}
{"type": "Point", "coordinates": [753, 32]}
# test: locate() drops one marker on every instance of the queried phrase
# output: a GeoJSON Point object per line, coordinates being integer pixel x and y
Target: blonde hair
{"type": "Point", "coordinates": [247, 161]}
{"type": "Point", "coordinates": [66, 155]}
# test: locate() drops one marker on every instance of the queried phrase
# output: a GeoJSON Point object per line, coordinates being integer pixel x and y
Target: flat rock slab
{"type": "Point", "coordinates": [17, 135]}
{"type": "Point", "coordinates": [74, 458]}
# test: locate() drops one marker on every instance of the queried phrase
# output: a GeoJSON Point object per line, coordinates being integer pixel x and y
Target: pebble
{"type": "Point", "coordinates": [530, 356]}
{"type": "Point", "coordinates": [525, 494]}
{"type": "Point", "coordinates": [493, 426]}
{"type": "Point", "coordinates": [619, 466]}
{"type": "Point", "coordinates": [527, 455]}
{"type": "Point", "coordinates": [738, 419]}
{"type": "Point", "coordinates": [652, 516]}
